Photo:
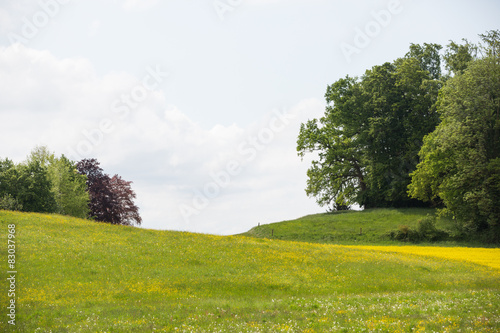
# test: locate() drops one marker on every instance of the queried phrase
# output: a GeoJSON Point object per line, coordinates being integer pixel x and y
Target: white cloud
{"type": "Point", "coordinates": [168, 156]}
{"type": "Point", "coordinates": [53, 99]}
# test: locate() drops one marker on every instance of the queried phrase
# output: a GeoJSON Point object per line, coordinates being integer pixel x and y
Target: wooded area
{"type": "Point", "coordinates": [423, 130]}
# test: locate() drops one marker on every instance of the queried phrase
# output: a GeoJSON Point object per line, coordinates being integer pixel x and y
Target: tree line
{"type": "Point", "coordinates": [45, 183]}
{"type": "Point", "coordinates": [421, 131]}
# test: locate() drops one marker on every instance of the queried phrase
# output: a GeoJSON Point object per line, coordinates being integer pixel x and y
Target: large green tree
{"type": "Point", "coordinates": [368, 140]}
{"type": "Point", "coordinates": [460, 160]}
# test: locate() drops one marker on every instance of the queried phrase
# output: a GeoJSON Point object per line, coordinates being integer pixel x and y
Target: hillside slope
{"type": "Point", "coordinates": [370, 226]}
{"type": "Point", "coordinates": [80, 276]}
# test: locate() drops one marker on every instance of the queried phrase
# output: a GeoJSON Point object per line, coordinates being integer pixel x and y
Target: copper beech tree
{"type": "Point", "coordinates": [111, 198]}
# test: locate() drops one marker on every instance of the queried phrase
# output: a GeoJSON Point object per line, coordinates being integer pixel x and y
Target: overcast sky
{"type": "Point", "coordinates": [199, 102]}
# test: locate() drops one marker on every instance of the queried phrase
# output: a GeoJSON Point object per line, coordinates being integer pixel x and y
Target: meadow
{"type": "Point", "coordinates": [81, 276]}
{"type": "Point", "coordinates": [368, 227]}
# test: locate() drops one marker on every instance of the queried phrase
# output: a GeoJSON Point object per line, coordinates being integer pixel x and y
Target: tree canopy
{"type": "Point", "coordinates": [460, 160]}
{"type": "Point", "coordinates": [369, 138]}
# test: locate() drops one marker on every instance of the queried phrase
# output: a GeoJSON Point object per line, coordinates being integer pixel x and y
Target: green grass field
{"type": "Point", "coordinates": [80, 276]}
{"type": "Point", "coordinates": [370, 226]}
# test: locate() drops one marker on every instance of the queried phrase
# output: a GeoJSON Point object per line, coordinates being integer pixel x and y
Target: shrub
{"type": "Point", "coordinates": [8, 202]}
{"type": "Point", "coordinates": [427, 229]}
{"type": "Point", "coordinates": [405, 233]}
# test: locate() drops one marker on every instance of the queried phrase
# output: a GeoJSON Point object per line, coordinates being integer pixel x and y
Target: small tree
{"type": "Point", "coordinates": [111, 199]}
{"type": "Point", "coordinates": [99, 189]}
{"type": "Point", "coordinates": [69, 188]}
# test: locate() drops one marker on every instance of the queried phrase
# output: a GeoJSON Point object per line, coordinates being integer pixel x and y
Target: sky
{"type": "Point", "coordinates": [199, 102]}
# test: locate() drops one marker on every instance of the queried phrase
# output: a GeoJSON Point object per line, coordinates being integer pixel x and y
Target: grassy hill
{"type": "Point", "coordinates": [80, 276]}
{"type": "Point", "coordinates": [371, 226]}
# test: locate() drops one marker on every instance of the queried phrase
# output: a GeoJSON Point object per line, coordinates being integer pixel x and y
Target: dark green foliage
{"type": "Point", "coordinates": [369, 138]}
{"type": "Point", "coordinates": [8, 202]}
{"type": "Point", "coordinates": [458, 57]}
{"type": "Point", "coordinates": [425, 231]}
{"type": "Point", "coordinates": [428, 58]}
{"type": "Point", "coordinates": [26, 186]}
{"type": "Point", "coordinates": [405, 234]}
{"type": "Point", "coordinates": [7, 178]}
{"type": "Point", "coordinates": [34, 188]}
{"type": "Point", "coordinates": [460, 160]}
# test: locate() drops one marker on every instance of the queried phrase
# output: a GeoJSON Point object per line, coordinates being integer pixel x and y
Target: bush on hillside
{"type": "Point", "coordinates": [426, 230]}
